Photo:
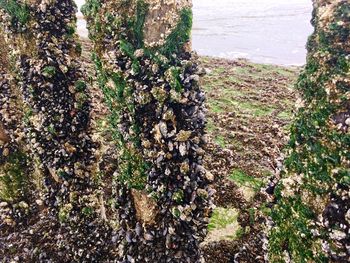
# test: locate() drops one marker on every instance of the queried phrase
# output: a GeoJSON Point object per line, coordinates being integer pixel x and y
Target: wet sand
{"type": "Point", "coordinates": [263, 31]}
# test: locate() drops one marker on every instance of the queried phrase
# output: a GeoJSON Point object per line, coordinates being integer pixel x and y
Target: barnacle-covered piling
{"type": "Point", "coordinates": [44, 45]}
{"type": "Point", "coordinates": [150, 82]}
{"type": "Point", "coordinates": [13, 161]}
{"type": "Point", "coordinates": [312, 216]}
{"type": "Point", "coordinates": [15, 169]}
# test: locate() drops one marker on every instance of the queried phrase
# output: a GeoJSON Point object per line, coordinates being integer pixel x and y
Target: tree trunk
{"type": "Point", "coordinates": [150, 81]}
{"type": "Point", "coordinates": [312, 216]}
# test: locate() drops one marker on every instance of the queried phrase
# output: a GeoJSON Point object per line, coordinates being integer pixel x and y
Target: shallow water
{"type": "Point", "coordinates": [264, 31]}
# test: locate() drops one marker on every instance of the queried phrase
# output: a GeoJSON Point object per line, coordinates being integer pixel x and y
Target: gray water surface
{"type": "Point", "coordinates": [263, 31]}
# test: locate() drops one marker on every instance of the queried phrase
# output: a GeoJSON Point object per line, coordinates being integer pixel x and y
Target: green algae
{"type": "Point", "coordinates": [242, 179]}
{"type": "Point", "coordinates": [13, 179]}
{"type": "Point", "coordinates": [180, 35]}
{"type": "Point", "coordinates": [19, 13]}
{"type": "Point", "coordinates": [133, 169]}
{"type": "Point", "coordinates": [49, 71]}
{"type": "Point", "coordinates": [222, 217]}
{"type": "Point", "coordinates": [317, 151]}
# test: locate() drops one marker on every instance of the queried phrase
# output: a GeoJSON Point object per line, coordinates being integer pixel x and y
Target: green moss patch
{"type": "Point", "coordinates": [13, 177]}
{"type": "Point", "coordinates": [19, 13]}
{"type": "Point", "coordinates": [242, 179]}
{"type": "Point", "coordinates": [224, 225]}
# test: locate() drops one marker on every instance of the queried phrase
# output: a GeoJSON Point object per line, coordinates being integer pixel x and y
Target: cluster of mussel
{"type": "Point", "coordinates": [158, 118]}
{"type": "Point", "coordinates": [56, 118]}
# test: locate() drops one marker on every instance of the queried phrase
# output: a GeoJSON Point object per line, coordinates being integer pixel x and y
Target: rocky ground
{"type": "Point", "coordinates": [250, 107]}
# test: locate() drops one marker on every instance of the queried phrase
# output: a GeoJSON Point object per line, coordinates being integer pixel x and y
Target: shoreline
{"type": "Point", "coordinates": [268, 31]}
{"type": "Point", "coordinates": [86, 42]}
